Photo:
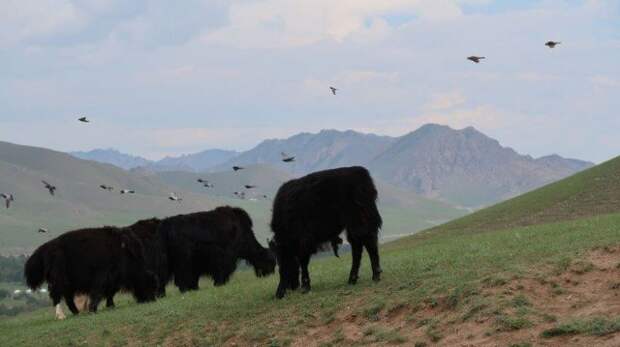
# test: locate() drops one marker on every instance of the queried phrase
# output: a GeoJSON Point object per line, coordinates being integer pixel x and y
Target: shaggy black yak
{"type": "Point", "coordinates": [311, 211]}
{"type": "Point", "coordinates": [96, 262]}
{"type": "Point", "coordinates": [211, 243]}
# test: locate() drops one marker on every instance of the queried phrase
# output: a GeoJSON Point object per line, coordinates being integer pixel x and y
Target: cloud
{"type": "Point", "coordinates": [444, 101]}
{"type": "Point", "coordinates": [605, 81]}
{"type": "Point", "coordinates": [287, 23]}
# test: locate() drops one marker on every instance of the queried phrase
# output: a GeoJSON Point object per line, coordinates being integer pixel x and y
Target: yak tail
{"type": "Point", "coordinates": [35, 268]}
{"type": "Point", "coordinates": [366, 199]}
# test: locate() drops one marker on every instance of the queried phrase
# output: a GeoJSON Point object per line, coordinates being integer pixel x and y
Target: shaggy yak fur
{"type": "Point", "coordinates": [312, 211]}
{"type": "Point", "coordinates": [211, 243]}
{"type": "Point", "coordinates": [97, 262]}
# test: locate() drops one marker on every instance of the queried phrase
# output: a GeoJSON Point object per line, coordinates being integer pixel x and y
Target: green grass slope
{"type": "Point", "coordinates": [591, 192]}
{"type": "Point", "coordinates": [516, 286]}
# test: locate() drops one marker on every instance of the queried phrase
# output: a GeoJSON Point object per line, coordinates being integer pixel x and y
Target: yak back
{"type": "Point", "coordinates": [80, 254]}
{"type": "Point", "coordinates": [219, 227]}
{"type": "Point", "coordinates": [317, 207]}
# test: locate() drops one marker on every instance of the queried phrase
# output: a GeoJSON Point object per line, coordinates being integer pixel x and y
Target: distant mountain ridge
{"type": "Point", "coordinates": [463, 167]}
{"type": "Point", "coordinates": [196, 162]}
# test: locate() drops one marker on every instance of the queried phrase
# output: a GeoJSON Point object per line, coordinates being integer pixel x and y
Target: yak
{"type": "Point", "coordinates": [311, 211]}
{"type": "Point", "coordinates": [97, 262]}
{"type": "Point", "coordinates": [211, 243]}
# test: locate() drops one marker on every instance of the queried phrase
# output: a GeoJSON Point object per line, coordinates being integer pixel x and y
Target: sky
{"type": "Point", "coordinates": [159, 78]}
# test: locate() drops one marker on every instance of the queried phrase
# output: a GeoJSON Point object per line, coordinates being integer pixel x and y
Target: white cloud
{"type": "Point", "coordinates": [286, 23]}
{"type": "Point", "coordinates": [605, 81]}
{"type": "Point", "coordinates": [444, 101]}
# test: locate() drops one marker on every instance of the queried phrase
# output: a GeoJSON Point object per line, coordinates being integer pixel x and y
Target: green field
{"type": "Point", "coordinates": [497, 277]}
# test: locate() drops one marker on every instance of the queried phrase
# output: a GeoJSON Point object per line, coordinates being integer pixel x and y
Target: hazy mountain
{"type": "Point", "coordinates": [326, 149]}
{"type": "Point", "coordinates": [114, 157]}
{"type": "Point", "coordinates": [197, 162]}
{"type": "Point", "coordinates": [465, 166]}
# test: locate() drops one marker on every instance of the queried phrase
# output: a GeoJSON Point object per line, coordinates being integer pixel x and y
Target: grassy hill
{"type": "Point", "coordinates": [78, 201]}
{"type": "Point", "coordinates": [554, 281]}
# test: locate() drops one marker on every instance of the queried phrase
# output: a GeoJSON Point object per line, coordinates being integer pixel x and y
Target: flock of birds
{"type": "Point", "coordinates": [9, 198]}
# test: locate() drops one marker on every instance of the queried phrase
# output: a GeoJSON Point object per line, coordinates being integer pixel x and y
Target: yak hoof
{"type": "Point", "coordinates": [305, 289]}
{"type": "Point", "coordinates": [352, 280]}
{"type": "Point", "coordinates": [280, 292]}
{"type": "Point", "coordinates": [376, 277]}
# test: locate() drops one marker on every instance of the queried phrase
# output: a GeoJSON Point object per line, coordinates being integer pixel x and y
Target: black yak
{"type": "Point", "coordinates": [313, 210]}
{"type": "Point", "coordinates": [97, 262]}
{"type": "Point", "coordinates": [211, 243]}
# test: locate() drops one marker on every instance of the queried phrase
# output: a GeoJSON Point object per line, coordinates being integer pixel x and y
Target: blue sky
{"type": "Point", "coordinates": [159, 78]}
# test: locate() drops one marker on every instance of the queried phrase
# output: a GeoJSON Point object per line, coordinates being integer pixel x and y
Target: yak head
{"type": "Point", "coordinates": [261, 258]}
{"type": "Point", "coordinates": [141, 282]}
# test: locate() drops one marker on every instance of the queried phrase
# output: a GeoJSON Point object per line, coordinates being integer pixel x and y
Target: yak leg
{"type": "Point", "coordinates": [184, 278]}
{"type": "Point", "coordinates": [109, 301]}
{"type": "Point", "coordinates": [93, 303]}
{"type": "Point", "coordinates": [56, 297]}
{"type": "Point", "coordinates": [289, 275]}
{"type": "Point", "coordinates": [356, 252]}
{"type": "Point", "coordinates": [373, 252]}
{"type": "Point", "coordinates": [305, 276]}
{"type": "Point", "coordinates": [70, 304]}
{"type": "Point", "coordinates": [59, 313]}
{"type": "Point", "coordinates": [81, 302]}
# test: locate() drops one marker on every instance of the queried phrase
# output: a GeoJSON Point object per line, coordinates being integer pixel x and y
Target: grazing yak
{"type": "Point", "coordinates": [311, 211]}
{"type": "Point", "coordinates": [211, 243]}
{"type": "Point", "coordinates": [97, 262]}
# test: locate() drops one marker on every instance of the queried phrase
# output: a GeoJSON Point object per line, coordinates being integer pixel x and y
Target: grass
{"type": "Point", "coordinates": [416, 269]}
{"type": "Point", "coordinates": [599, 326]}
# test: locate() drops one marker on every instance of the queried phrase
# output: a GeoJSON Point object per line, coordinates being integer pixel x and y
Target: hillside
{"type": "Point", "coordinates": [589, 193]}
{"type": "Point", "coordinates": [551, 283]}
{"type": "Point", "coordinates": [79, 201]}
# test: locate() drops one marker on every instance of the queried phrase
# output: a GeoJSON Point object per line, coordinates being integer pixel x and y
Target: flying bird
{"type": "Point", "coordinates": [42, 230]}
{"type": "Point", "coordinates": [552, 44]}
{"type": "Point", "coordinates": [287, 158]}
{"type": "Point", "coordinates": [108, 188]}
{"type": "Point", "coordinates": [174, 197]}
{"type": "Point", "coordinates": [83, 120]}
{"type": "Point", "coordinates": [200, 180]}
{"type": "Point", "coordinates": [333, 90]}
{"type": "Point", "coordinates": [237, 168]}
{"type": "Point", "coordinates": [475, 59]}
{"type": "Point", "coordinates": [127, 191]}
{"type": "Point", "coordinates": [249, 186]}
{"type": "Point", "coordinates": [49, 187]}
{"type": "Point", "coordinates": [208, 185]}
{"type": "Point", "coordinates": [8, 198]}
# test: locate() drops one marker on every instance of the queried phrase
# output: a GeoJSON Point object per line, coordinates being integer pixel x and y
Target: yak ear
{"type": "Point", "coordinates": [132, 246]}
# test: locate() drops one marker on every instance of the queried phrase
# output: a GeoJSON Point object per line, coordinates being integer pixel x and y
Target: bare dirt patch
{"type": "Point", "coordinates": [510, 312]}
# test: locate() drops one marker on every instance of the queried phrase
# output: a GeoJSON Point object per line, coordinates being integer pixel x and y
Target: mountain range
{"type": "Point", "coordinates": [196, 162]}
{"type": "Point", "coordinates": [462, 167]}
